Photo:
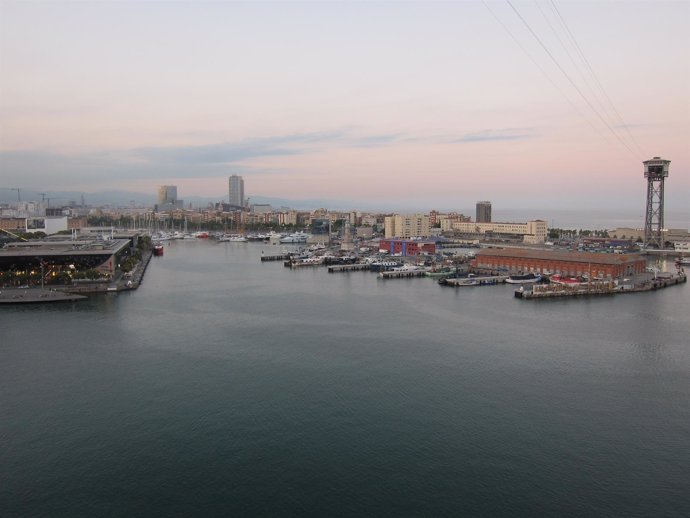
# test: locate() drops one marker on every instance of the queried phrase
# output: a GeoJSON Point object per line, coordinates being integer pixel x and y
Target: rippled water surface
{"type": "Point", "coordinates": [229, 387]}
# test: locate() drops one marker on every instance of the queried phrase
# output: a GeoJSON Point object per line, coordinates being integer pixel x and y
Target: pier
{"type": "Point", "coordinates": [481, 281]}
{"type": "Point", "coordinates": [299, 263]}
{"type": "Point", "coordinates": [404, 274]}
{"type": "Point", "coordinates": [280, 257]}
{"type": "Point", "coordinates": [348, 267]}
{"type": "Point", "coordinates": [545, 291]}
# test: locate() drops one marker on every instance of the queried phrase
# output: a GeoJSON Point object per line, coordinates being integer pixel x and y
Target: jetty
{"type": "Point", "coordinates": [348, 267]}
{"type": "Point", "coordinates": [279, 257]}
{"type": "Point", "coordinates": [402, 274]}
{"type": "Point", "coordinates": [480, 281]}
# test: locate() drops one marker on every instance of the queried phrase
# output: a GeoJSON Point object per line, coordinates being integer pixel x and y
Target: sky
{"type": "Point", "coordinates": [429, 104]}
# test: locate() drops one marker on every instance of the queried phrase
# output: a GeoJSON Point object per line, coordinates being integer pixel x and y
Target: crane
{"type": "Point", "coordinates": [13, 189]}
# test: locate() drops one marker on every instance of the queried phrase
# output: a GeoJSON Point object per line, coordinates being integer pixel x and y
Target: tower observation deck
{"type": "Point", "coordinates": [655, 171]}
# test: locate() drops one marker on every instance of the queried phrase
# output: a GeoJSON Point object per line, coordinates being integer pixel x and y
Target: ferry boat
{"type": "Point", "coordinates": [460, 283]}
{"type": "Point", "coordinates": [524, 278]}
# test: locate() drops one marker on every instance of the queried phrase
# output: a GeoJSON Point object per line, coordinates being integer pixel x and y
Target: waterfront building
{"type": "Point", "coordinates": [236, 191]}
{"type": "Point", "coordinates": [103, 255]}
{"type": "Point", "coordinates": [604, 266]}
{"type": "Point", "coordinates": [406, 247]}
{"type": "Point", "coordinates": [407, 226]}
{"type": "Point", "coordinates": [532, 232]}
{"type": "Point", "coordinates": [483, 214]}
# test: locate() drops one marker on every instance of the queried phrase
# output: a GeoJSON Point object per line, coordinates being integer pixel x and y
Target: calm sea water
{"type": "Point", "coordinates": [229, 387]}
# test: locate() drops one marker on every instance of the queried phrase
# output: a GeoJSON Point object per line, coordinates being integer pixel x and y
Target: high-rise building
{"type": "Point", "coordinates": [236, 191]}
{"type": "Point", "coordinates": [167, 199]}
{"type": "Point", "coordinates": [167, 194]}
{"type": "Point", "coordinates": [483, 212]}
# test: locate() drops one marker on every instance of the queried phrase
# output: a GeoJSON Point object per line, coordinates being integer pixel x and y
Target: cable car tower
{"type": "Point", "coordinates": [655, 171]}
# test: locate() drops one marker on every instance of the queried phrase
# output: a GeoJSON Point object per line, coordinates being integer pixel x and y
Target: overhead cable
{"type": "Point", "coordinates": [596, 78]}
{"type": "Point", "coordinates": [567, 76]}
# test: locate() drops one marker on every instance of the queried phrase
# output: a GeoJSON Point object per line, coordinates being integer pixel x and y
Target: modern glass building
{"type": "Point", "coordinates": [483, 212]}
{"type": "Point", "coordinates": [167, 194]}
{"type": "Point", "coordinates": [321, 227]}
{"type": "Point", "coordinates": [236, 191]}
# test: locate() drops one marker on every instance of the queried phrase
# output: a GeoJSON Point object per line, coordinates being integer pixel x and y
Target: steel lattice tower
{"type": "Point", "coordinates": [655, 171]}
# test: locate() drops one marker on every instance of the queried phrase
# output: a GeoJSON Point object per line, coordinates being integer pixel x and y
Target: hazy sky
{"type": "Point", "coordinates": [434, 104]}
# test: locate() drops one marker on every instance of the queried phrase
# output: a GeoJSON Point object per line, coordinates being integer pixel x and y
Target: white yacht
{"type": "Point", "coordinates": [297, 237]}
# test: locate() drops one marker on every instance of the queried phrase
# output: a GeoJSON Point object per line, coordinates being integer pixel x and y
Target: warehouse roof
{"type": "Point", "coordinates": [558, 255]}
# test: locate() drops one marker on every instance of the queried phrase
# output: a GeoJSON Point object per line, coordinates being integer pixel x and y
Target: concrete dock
{"type": "Point", "coordinates": [35, 295]}
{"type": "Point", "coordinates": [279, 257]}
{"type": "Point", "coordinates": [481, 281]}
{"type": "Point", "coordinates": [349, 267]}
{"type": "Point", "coordinates": [402, 274]}
{"type": "Point", "coordinates": [547, 291]}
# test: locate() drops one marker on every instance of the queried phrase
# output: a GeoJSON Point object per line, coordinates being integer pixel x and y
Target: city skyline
{"type": "Point", "coordinates": [431, 104]}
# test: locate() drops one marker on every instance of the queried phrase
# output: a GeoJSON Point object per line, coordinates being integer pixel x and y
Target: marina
{"type": "Point", "coordinates": [513, 265]}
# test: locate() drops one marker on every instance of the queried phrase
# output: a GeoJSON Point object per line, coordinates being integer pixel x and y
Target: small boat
{"type": "Point", "coordinates": [158, 249]}
{"type": "Point", "coordinates": [524, 278]}
{"type": "Point", "coordinates": [470, 281]}
{"type": "Point", "coordinates": [410, 268]}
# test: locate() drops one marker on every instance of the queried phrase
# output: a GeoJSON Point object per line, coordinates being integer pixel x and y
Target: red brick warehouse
{"type": "Point", "coordinates": [564, 263]}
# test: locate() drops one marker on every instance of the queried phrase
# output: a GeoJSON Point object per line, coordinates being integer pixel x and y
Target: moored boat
{"type": "Point", "coordinates": [297, 237]}
{"type": "Point", "coordinates": [233, 239]}
{"type": "Point", "coordinates": [524, 278]}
